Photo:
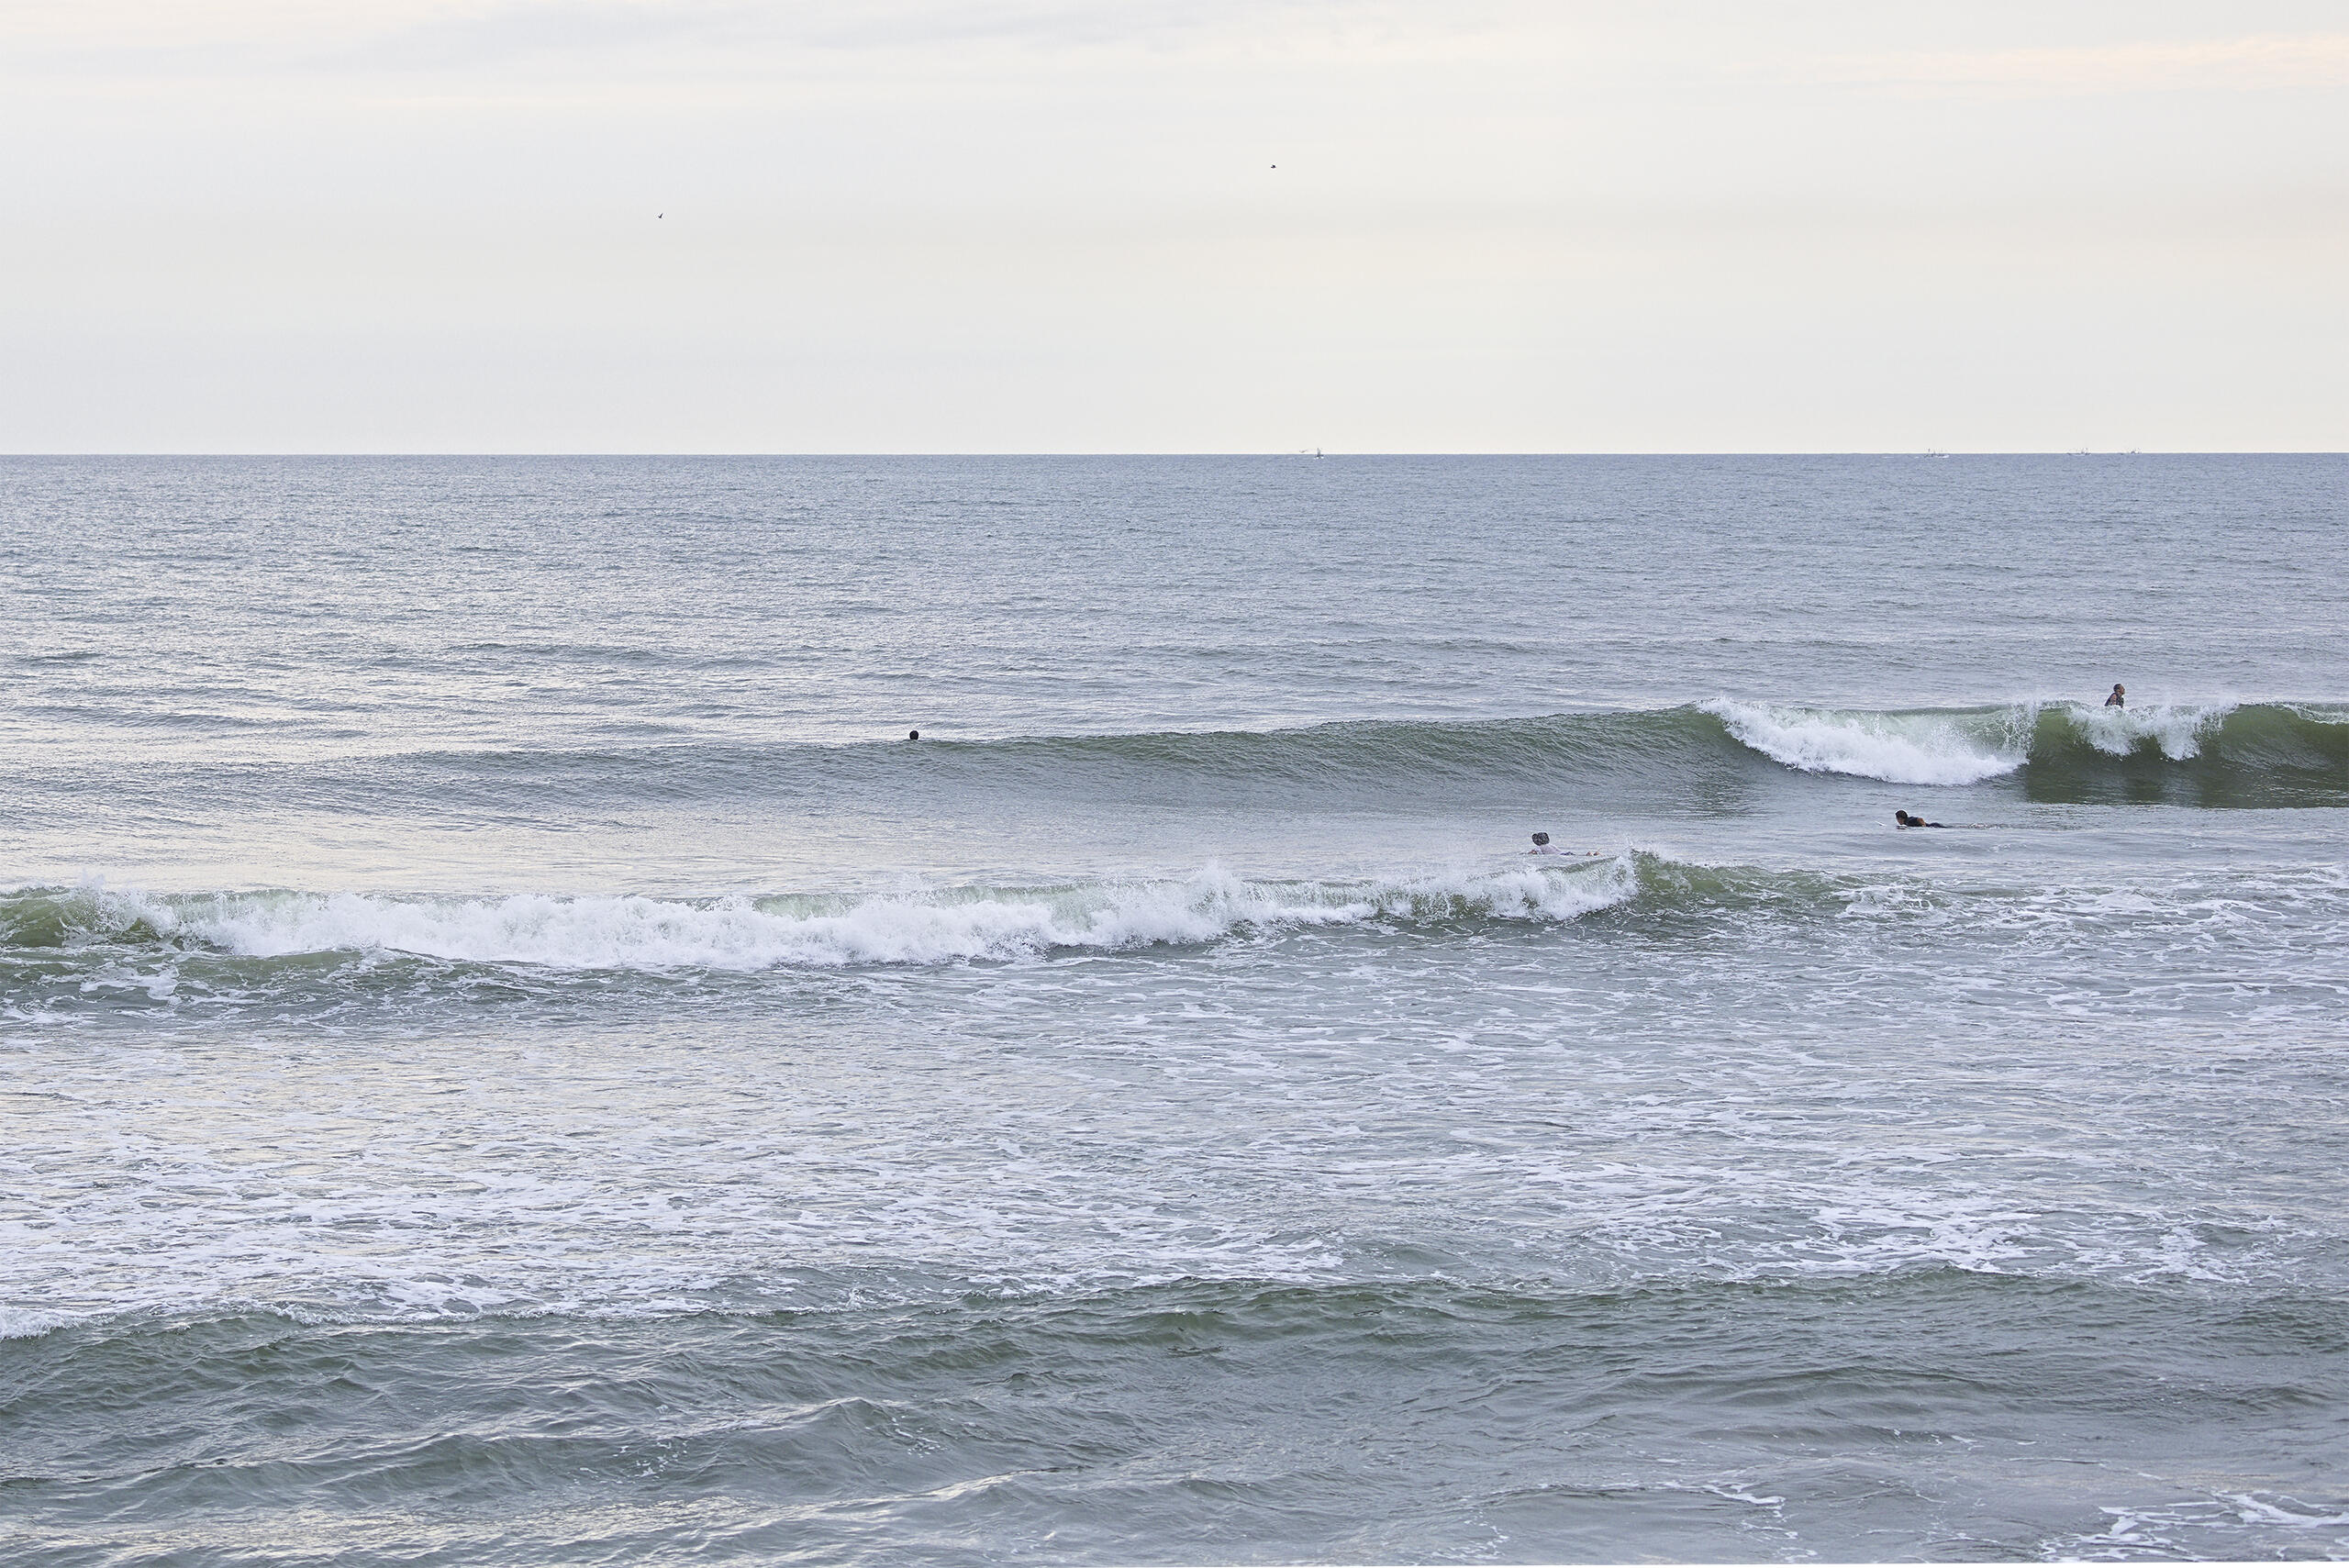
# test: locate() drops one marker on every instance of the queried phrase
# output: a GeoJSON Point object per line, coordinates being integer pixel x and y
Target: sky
{"type": "Point", "coordinates": [906, 226]}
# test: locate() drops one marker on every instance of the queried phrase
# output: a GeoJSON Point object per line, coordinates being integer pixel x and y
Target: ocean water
{"type": "Point", "coordinates": [509, 1056]}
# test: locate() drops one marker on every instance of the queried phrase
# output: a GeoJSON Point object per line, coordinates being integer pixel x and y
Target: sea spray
{"type": "Point", "coordinates": [2211, 754]}
{"type": "Point", "coordinates": [1959, 748]}
{"type": "Point", "coordinates": [2176, 731]}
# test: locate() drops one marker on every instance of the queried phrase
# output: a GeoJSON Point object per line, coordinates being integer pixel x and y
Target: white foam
{"type": "Point", "coordinates": [23, 1323]}
{"type": "Point", "coordinates": [1900, 748]}
{"type": "Point", "coordinates": [2177, 730]}
{"type": "Point", "coordinates": [738, 933]}
{"type": "Point", "coordinates": [2185, 1527]}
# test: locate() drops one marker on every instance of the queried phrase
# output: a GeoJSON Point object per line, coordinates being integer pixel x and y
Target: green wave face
{"type": "Point", "coordinates": [2207, 754]}
{"type": "Point", "coordinates": [2261, 755]}
{"type": "Point", "coordinates": [1721, 753]}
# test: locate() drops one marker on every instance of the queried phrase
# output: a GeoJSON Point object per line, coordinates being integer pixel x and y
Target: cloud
{"type": "Point", "coordinates": [2240, 64]}
{"type": "Point", "coordinates": [426, 38]}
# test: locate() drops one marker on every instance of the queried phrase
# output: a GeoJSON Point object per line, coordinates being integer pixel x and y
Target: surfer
{"type": "Point", "coordinates": [1542, 846]}
{"type": "Point", "coordinates": [1905, 820]}
{"type": "Point", "coordinates": [2119, 697]}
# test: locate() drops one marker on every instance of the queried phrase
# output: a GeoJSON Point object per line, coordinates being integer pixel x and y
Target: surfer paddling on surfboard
{"type": "Point", "coordinates": [1905, 820]}
{"type": "Point", "coordinates": [1542, 846]}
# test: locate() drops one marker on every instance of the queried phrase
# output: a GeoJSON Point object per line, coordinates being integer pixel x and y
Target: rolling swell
{"type": "Point", "coordinates": [1662, 751]}
{"type": "Point", "coordinates": [2212, 754]}
{"type": "Point", "coordinates": [1711, 755]}
{"type": "Point", "coordinates": [2218, 755]}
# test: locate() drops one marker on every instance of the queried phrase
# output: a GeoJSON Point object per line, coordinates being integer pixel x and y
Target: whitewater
{"type": "Point", "coordinates": [511, 1056]}
{"type": "Point", "coordinates": [736, 932]}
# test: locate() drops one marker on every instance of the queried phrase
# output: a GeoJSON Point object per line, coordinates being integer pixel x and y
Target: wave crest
{"type": "Point", "coordinates": [1958, 748]}
{"type": "Point", "coordinates": [2216, 754]}
{"type": "Point", "coordinates": [2213, 754]}
{"type": "Point", "coordinates": [591, 932]}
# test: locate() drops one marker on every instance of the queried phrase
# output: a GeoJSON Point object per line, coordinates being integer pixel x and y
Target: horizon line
{"type": "Point", "coordinates": [1305, 452]}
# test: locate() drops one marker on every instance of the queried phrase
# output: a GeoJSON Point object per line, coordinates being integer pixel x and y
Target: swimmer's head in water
{"type": "Point", "coordinates": [1540, 840]}
{"type": "Point", "coordinates": [913, 734]}
{"type": "Point", "coordinates": [1904, 818]}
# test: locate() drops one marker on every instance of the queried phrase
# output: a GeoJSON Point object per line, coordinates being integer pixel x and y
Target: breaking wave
{"type": "Point", "coordinates": [2211, 754]}
{"type": "Point", "coordinates": [592, 932]}
{"type": "Point", "coordinates": [1900, 748]}
{"type": "Point", "coordinates": [2215, 754]}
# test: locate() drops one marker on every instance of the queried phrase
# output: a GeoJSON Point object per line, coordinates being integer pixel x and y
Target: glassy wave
{"type": "Point", "coordinates": [2213, 754]}
{"type": "Point", "coordinates": [2249, 753]}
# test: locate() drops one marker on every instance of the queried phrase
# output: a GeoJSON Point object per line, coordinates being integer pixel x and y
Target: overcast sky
{"type": "Point", "coordinates": [1151, 226]}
